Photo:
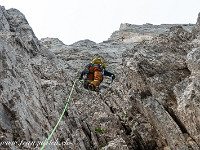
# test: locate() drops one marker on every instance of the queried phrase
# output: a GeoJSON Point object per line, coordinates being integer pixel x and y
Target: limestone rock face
{"type": "Point", "coordinates": [163, 73]}
{"type": "Point", "coordinates": [152, 104]}
{"type": "Point", "coordinates": [129, 33]}
{"type": "Point", "coordinates": [4, 25]}
{"type": "Point", "coordinates": [196, 28]}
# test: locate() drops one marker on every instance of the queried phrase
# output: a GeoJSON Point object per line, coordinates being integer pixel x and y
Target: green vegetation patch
{"type": "Point", "coordinates": [100, 130]}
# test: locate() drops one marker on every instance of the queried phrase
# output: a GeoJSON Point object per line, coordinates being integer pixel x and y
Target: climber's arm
{"type": "Point", "coordinates": [85, 71]}
{"type": "Point", "coordinates": [110, 74]}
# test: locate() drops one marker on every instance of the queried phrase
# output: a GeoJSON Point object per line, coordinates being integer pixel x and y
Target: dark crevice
{"type": "Point", "coordinates": [1, 89]}
{"type": "Point", "coordinates": [145, 94]}
{"type": "Point", "coordinates": [177, 120]}
{"type": "Point", "coordinates": [125, 127]}
{"type": "Point", "coordinates": [11, 114]}
{"type": "Point", "coordinates": [66, 113]}
{"type": "Point", "coordinates": [111, 109]}
{"type": "Point", "coordinates": [179, 123]}
{"type": "Point", "coordinates": [139, 143]}
{"type": "Point", "coordinates": [87, 131]}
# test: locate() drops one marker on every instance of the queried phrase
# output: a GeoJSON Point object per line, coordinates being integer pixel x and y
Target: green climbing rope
{"type": "Point", "coordinates": [64, 111]}
{"type": "Point", "coordinates": [61, 115]}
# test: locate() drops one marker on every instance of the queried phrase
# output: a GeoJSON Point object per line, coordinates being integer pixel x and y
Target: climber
{"type": "Point", "coordinates": [95, 72]}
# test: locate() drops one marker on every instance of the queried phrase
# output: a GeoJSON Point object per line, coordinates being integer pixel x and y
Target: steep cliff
{"type": "Point", "coordinates": [152, 104]}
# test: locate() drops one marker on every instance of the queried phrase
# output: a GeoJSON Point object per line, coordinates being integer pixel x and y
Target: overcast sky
{"type": "Point", "coordinates": [74, 20]}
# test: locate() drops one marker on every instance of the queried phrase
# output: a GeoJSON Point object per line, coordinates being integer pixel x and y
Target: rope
{"type": "Point", "coordinates": [61, 115]}
{"type": "Point", "coordinates": [90, 81]}
{"type": "Point", "coordinates": [64, 111]}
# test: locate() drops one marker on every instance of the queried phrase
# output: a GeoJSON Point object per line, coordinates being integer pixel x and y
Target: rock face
{"type": "Point", "coordinates": [196, 29]}
{"type": "Point", "coordinates": [129, 33]}
{"type": "Point", "coordinates": [152, 104]}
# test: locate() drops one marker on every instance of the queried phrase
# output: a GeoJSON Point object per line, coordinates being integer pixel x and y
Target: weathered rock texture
{"type": "Point", "coordinates": [196, 29]}
{"type": "Point", "coordinates": [152, 104]}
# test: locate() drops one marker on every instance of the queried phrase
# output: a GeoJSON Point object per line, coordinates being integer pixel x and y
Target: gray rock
{"type": "Point", "coordinates": [193, 61]}
{"type": "Point", "coordinates": [5, 122]}
{"type": "Point", "coordinates": [152, 104]}
{"type": "Point", "coordinates": [130, 33]}
{"type": "Point", "coordinates": [155, 68]}
{"type": "Point", "coordinates": [4, 25]}
{"type": "Point", "coordinates": [84, 43]}
{"type": "Point", "coordinates": [196, 28]}
{"type": "Point", "coordinates": [116, 144]}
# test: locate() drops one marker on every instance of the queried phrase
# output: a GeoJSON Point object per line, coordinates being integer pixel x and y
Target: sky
{"type": "Point", "coordinates": [74, 20]}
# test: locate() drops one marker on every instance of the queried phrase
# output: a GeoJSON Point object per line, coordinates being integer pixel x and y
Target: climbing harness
{"type": "Point", "coordinates": [64, 111]}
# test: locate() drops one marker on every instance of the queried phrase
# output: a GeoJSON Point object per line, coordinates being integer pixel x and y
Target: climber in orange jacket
{"type": "Point", "coordinates": [95, 72]}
